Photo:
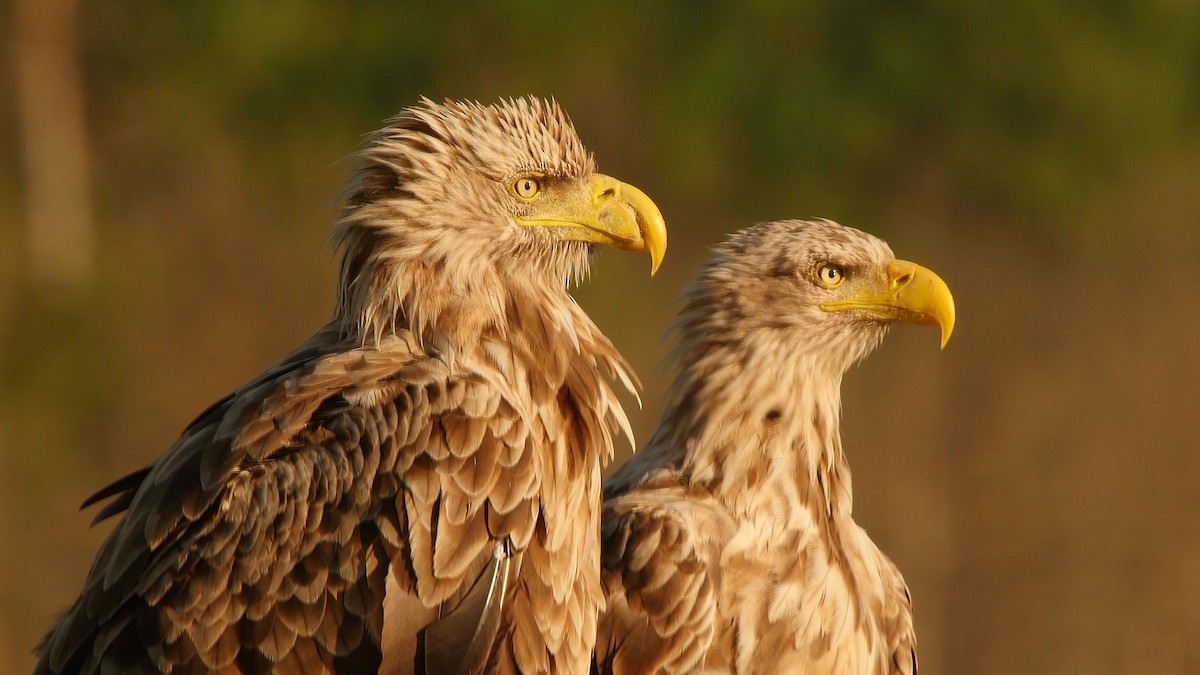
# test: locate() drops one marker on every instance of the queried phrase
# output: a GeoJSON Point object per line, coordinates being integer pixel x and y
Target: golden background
{"type": "Point", "coordinates": [167, 179]}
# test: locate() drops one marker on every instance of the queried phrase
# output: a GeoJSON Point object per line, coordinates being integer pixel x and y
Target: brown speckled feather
{"type": "Point", "coordinates": [728, 542]}
{"type": "Point", "coordinates": [320, 518]}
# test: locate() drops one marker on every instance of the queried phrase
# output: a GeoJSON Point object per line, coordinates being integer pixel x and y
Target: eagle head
{"type": "Point", "coordinates": [466, 202]}
{"type": "Point", "coordinates": [815, 288]}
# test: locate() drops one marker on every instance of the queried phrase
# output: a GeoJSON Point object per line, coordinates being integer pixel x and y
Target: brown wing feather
{"type": "Point", "coordinates": [660, 578]}
{"type": "Point", "coordinates": [264, 538]}
{"type": "Point", "coordinates": [900, 634]}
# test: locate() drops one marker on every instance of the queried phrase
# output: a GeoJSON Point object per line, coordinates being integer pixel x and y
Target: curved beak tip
{"type": "Point", "coordinates": [652, 228]}
{"type": "Point", "coordinates": [945, 313]}
{"type": "Point", "coordinates": [922, 292]}
{"type": "Point", "coordinates": [656, 243]}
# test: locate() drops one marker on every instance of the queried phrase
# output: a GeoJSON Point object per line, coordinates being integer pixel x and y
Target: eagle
{"type": "Point", "coordinates": [728, 544]}
{"type": "Point", "coordinates": [417, 487]}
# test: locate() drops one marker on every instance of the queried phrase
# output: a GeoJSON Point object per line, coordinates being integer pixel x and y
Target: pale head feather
{"type": "Point", "coordinates": [759, 287]}
{"type": "Point", "coordinates": [427, 234]}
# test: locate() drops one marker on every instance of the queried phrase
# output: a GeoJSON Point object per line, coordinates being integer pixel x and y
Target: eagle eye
{"type": "Point", "coordinates": [527, 188]}
{"type": "Point", "coordinates": [830, 276]}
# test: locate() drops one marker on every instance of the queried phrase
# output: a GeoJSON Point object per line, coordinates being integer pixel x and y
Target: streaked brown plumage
{"type": "Point", "coordinates": [325, 514]}
{"type": "Point", "coordinates": [728, 543]}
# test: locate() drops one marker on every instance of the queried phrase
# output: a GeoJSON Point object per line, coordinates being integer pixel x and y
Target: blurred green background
{"type": "Point", "coordinates": [167, 180]}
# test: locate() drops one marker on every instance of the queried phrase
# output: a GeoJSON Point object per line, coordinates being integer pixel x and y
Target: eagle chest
{"type": "Point", "coordinates": [801, 601]}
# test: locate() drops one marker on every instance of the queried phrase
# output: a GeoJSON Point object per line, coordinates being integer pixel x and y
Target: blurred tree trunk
{"type": "Point", "coordinates": [50, 96]}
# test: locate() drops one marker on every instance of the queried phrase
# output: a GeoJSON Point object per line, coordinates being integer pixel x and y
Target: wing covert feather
{"type": "Point", "coordinates": [660, 578]}
{"type": "Point", "coordinates": [265, 536]}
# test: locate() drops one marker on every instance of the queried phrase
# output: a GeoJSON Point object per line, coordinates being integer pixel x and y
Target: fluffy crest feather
{"type": "Point", "coordinates": [427, 215]}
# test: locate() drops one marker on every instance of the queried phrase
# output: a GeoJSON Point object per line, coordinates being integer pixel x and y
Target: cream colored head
{"type": "Point", "coordinates": [813, 286]}
{"type": "Point", "coordinates": [463, 198]}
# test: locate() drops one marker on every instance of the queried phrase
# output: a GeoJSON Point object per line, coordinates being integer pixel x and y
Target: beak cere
{"type": "Point", "coordinates": [914, 294]}
{"type": "Point", "coordinates": [610, 213]}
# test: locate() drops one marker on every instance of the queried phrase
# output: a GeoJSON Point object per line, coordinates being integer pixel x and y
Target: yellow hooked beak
{"type": "Point", "coordinates": [910, 293]}
{"type": "Point", "coordinates": [607, 212]}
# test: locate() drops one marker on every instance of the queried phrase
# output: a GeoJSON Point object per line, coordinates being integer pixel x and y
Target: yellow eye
{"type": "Point", "coordinates": [830, 276]}
{"type": "Point", "coordinates": [527, 187]}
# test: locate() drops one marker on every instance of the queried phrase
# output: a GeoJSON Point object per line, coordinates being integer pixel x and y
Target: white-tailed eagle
{"type": "Point", "coordinates": [416, 488]}
{"type": "Point", "coordinates": [728, 542]}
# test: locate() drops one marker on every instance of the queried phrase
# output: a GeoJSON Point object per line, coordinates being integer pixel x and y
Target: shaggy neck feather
{"type": "Point", "coordinates": [405, 277]}
{"type": "Point", "coordinates": [784, 433]}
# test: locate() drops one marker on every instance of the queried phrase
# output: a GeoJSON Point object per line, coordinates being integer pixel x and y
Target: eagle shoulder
{"type": "Point", "coordinates": [660, 570]}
